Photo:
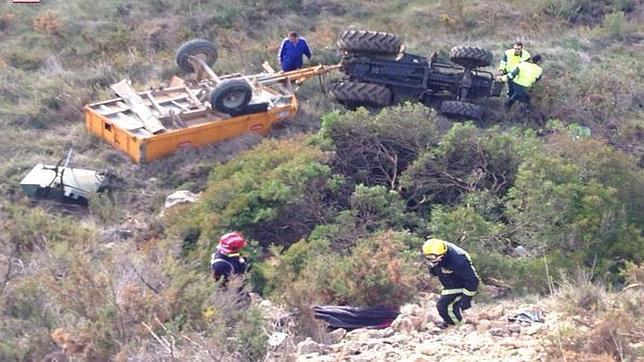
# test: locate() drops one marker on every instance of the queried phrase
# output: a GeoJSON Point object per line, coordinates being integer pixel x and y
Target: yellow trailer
{"type": "Point", "coordinates": [152, 124]}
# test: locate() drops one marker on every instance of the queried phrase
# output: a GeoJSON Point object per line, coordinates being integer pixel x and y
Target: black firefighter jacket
{"type": "Point", "coordinates": [456, 273]}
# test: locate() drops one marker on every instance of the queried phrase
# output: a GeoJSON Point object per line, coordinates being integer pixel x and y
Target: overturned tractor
{"type": "Point", "coordinates": [378, 72]}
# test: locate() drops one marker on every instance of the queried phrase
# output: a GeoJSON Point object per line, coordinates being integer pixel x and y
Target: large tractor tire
{"type": "Point", "coordinates": [231, 96]}
{"type": "Point", "coordinates": [356, 93]}
{"type": "Point", "coordinates": [364, 41]}
{"type": "Point", "coordinates": [201, 48]}
{"type": "Point", "coordinates": [471, 57]}
{"type": "Point", "coordinates": [457, 109]}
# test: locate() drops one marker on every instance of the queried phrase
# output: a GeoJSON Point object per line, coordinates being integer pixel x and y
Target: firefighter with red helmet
{"type": "Point", "coordinates": [227, 260]}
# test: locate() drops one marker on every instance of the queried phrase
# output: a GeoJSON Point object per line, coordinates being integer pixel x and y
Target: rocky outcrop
{"type": "Point", "coordinates": [413, 337]}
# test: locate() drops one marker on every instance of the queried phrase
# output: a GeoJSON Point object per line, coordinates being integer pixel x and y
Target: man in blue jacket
{"type": "Point", "coordinates": [291, 52]}
{"type": "Point", "coordinates": [453, 267]}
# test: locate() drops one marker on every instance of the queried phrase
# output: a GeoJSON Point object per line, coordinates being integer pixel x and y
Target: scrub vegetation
{"type": "Point", "coordinates": [336, 202]}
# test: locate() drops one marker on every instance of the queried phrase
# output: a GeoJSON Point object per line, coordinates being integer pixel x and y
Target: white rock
{"type": "Point", "coordinates": [499, 332]}
{"type": "Point", "coordinates": [511, 343]}
{"type": "Point", "coordinates": [466, 328]}
{"type": "Point", "coordinates": [498, 324]}
{"type": "Point", "coordinates": [337, 335]}
{"type": "Point", "coordinates": [417, 358]}
{"type": "Point", "coordinates": [411, 309]}
{"type": "Point", "coordinates": [483, 325]}
{"type": "Point", "coordinates": [429, 348]}
{"type": "Point", "coordinates": [418, 321]}
{"type": "Point", "coordinates": [180, 197]}
{"type": "Point", "coordinates": [352, 348]}
{"type": "Point", "coordinates": [356, 334]}
{"type": "Point", "coordinates": [520, 251]}
{"type": "Point", "coordinates": [276, 339]}
{"type": "Point", "coordinates": [385, 333]}
{"type": "Point", "coordinates": [402, 324]}
{"type": "Point", "coordinates": [514, 328]}
{"type": "Point", "coordinates": [308, 346]}
{"type": "Point", "coordinates": [492, 313]}
{"type": "Point", "coordinates": [308, 357]}
{"type": "Point", "coordinates": [532, 329]}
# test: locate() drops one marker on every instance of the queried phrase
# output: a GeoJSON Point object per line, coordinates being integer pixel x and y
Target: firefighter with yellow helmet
{"type": "Point", "coordinates": [453, 267]}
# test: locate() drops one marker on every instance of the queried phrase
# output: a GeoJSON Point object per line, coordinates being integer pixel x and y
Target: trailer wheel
{"type": "Point", "coordinates": [231, 96]}
{"type": "Point", "coordinates": [357, 94]}
{"type": "Point", "coordinates": [364, 41]}
{"type": "Point", "coordinates": [473, 57]}
{"type": "Point", "coordinates": [457, 109]}
{"type": "Point", "coordinates": [201, 48]}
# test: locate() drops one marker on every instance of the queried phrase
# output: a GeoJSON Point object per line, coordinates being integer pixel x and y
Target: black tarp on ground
{"type": "Point", "coordinates": [354, 317]}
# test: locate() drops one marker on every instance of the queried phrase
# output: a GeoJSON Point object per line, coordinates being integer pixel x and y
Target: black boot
{"type": "Point", "coordinates": [442, 325]}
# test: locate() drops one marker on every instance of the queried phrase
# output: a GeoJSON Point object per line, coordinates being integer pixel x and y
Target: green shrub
{"type": "Point", "coordinates": [467, 228]}
{"type": "Point", "coordinates": [376, 149]}
{"type": "Point", "coordinates": [278, 185]}
{"type": "Point", "coordinates": [22, 340]}
{"type": "Point", "coordinates": [573, 11]}
{"type": "Point", "coordinates": [105, 208]}
{"type": "Point", "coordinates": [373, 272]}
{"type": "Point", "coordinates": [562, 201]}
{"type": "Point", "coordinates": [34, 229]}
{"type": "Point", "coordinates": [250, 335]}
{"type": "Point", "coordinates": [615, 25]}
{"type": "Point", "coordinates": [371, 209]}
{"type": "Point", "coordinates": [525, 275]}
{"type": "Point", "coordinates": [467, 160]}
{"type": "Point", "coordinates": [376, 208]}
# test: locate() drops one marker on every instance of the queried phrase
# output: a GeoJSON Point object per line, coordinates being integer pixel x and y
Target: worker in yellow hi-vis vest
{"type": "Point", "coordinates": [511, 58]}
{"type": "Point", "coordinates": [521, 79]}
{"type": "Point", "coordinates": [453, 267]}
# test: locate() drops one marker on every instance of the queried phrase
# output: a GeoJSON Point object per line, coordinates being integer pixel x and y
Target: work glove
{"type": "Point", "coordinates": [503, 78]}
{"type": "Point", "coordinates": [466, 302]}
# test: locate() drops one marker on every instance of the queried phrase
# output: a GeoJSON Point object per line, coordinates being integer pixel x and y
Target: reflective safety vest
{"type": "Point", "coordinates": [526, 74]}
{"type": "Point", "coordinates": [510, 61]}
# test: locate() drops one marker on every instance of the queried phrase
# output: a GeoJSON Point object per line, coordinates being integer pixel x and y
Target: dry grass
{"type": "Point", "coordinates": [597, 325]}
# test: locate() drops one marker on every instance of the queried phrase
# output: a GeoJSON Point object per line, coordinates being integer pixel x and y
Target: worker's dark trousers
{"type": "Point", "coordinates": [519, 93]}
{"type": "Point", "coordinates": [510, 89]}
{"type": "Point", "coordinates": [449, 308]}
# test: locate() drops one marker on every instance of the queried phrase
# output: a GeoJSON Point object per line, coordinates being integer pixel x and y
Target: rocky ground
{"type": "Point", "coordinates": [488, 335]}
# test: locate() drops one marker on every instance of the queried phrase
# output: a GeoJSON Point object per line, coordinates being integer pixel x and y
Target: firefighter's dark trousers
{"type": "Point", "coordinates": [449, 308]}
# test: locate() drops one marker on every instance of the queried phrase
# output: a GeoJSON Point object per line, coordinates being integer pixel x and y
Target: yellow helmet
{"type": "Point", "coordinates": [434, 247]}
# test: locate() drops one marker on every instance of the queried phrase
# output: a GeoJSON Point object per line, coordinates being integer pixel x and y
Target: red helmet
{"type": "Point", "coordinates": [231, 243]}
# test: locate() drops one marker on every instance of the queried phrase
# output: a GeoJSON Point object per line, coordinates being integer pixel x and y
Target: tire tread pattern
{"type": "Point", "coordinates": [193, 47]}
{"type": "Point", "coordinates": [468, 56]}
{"type": "Point", "coordinates": [348, 92]}
{"type": "Point", "coordinates": [364, 41]}
{"type": "Point", "coordinates": [221, 91]}
{"type": "Point", "coordinates": [462, 109]}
